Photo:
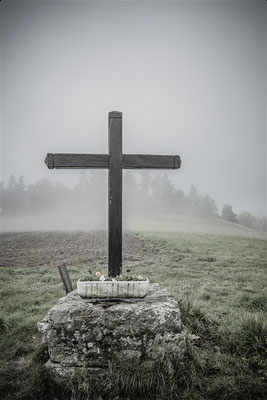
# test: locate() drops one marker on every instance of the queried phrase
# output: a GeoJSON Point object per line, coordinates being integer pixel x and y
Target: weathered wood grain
{"type": "Point", "coordinates": [149, 161]}
{"type": "Point", "coordinates": [129, 161]}
{"type": "Point", "coordinates": [65, 277]}
{"type": "Point", "coordinates": [49, 160]}
{"type": "Point", "coordinates": [115, 195]}
{"type": "Point", "coordinates": [72, 160]}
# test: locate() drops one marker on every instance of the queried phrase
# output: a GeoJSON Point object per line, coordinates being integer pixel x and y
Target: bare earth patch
{"type": "Point", "coordinates": [33, 249]}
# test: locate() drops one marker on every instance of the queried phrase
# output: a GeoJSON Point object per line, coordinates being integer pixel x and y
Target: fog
{"type": "Point", "coordinates": [189, 77]}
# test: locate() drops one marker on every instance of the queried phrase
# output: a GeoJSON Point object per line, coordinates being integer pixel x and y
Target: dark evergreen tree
{"type": "Point", "coordinates": [90, 196]}
{"type": "Point", "coordinates": [167, 193]}
{"type": "Point", "coordinates": [208, 207]}
{"type": "Point", "coordinates": [43, 198]}
{"type": "Point", "coordinates": [194, 200]}
{"type": "Point", "coordinates": [145, 185]}
{"type": "Point", "coordinates": [228, 214]}
{"type": "Point", "coordinates": [12, 183]}
{"type": "Point", "coordinates": [156, 191]}
{"type": "Point", "coordinates": [248, 220]}
{"type": "Point", "coordinates": [10, 202]}
{"type": "Point", "coordinates": [21, 195]}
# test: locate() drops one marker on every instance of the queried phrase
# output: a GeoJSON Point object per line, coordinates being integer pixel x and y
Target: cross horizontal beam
{"type": "Point", "coordinates": [135, 161]}
{"type": "Point", "coordinates": [129, 161]}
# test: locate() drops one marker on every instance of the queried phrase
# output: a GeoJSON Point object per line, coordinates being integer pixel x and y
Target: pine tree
{"type": "Point", "coordinates": [208, 206]}
{"type": "Point", "coordinates": [167, 192]}
{"type": "Point", "coordinates": [144, 186]}
{"type": "Point", "coordinates": [21, 195]}
{"type": "Point", "coordinates": [228, 214]}
{"type": "Point", "coordinates": [194, 200]}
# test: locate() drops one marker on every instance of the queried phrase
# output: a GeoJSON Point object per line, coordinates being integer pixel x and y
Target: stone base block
{"type": "Point", "coordinates": [88, 334]}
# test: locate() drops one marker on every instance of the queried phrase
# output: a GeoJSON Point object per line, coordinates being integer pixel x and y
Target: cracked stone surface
{"type": "Point", "coordinates": [82, 333]}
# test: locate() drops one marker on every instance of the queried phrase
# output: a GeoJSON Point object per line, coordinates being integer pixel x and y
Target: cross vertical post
{"type": "Point", "coordinates": [115, 194]}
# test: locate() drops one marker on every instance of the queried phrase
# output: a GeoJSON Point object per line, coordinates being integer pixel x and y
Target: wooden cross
{"type": "Point", "coordinates": [115, 161]}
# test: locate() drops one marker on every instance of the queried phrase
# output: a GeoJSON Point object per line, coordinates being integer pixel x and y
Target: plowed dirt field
{"type": "Point", "coordinates": [31, 249]}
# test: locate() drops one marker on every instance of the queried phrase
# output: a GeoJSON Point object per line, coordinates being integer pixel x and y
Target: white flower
{"type": "Point", "coordinates": [102, 278]}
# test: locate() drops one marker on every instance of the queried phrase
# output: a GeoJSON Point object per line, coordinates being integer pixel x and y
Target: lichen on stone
{"type": "Point", "coordinates": [90, 334]}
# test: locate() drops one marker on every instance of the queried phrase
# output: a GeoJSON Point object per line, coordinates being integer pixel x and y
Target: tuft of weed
{"type": "Point", "coordinates": [40, 355]}
{"type": "Point", "coordinates": [139, 380]}
{"type": "Point", "coordinates": [254, 303]}
{"type": "Point", "coordinates": [196, 320]}
{"type": "Point", "coordinates": [250, 336]}
{"type": "Point", "coordinates": [9, 382]}
{"type": "Point", "coordinates": [167, 378]}
{"type": "Point", "coordinates": [249, 340]}
{"type": "Point", "coordinates": [3, 325]}
{"type": "Point", "coordinates": [86, 386]}
{"type": "Point", "coordinates": [41, 384]}
{"type": "Point", "coordinates": [207, 259]}
{"type": "Point", "coordinates": [43, 387]}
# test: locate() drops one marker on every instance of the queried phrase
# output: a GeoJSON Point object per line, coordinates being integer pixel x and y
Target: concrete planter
{"type": "Point", "coordinates": [112, 289]}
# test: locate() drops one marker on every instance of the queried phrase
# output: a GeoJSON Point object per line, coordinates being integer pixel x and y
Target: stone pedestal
{"type": "Point", "coordinates": [89, 333]}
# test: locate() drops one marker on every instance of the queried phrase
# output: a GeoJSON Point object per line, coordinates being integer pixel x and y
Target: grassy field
{"type": "Point", "coordinates": [220, 284]}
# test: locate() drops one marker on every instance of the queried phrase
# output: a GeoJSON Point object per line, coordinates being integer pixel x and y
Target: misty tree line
{"type": "Point", "coordinates": [145, 195]}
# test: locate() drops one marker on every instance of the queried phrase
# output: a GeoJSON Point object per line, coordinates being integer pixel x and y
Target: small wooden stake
{"type": "Point", "coordinates": [65, 277]}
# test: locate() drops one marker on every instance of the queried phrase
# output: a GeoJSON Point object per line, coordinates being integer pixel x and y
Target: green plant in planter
{"type": "Point", "coordinates": [99, 277]}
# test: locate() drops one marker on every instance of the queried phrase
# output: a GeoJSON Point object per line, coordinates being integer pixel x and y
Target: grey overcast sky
{"type": "Point", "coordinates": [189, 77]}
